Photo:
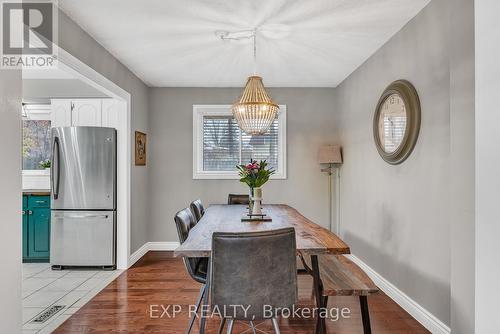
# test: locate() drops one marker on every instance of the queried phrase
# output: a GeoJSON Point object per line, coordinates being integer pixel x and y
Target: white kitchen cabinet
{"type": "Point", "coordinates": [61, 112]}
{"type": "Point", "coordinates": [86, 112]}
{"type": "Point", "coordinates": [110, 113]}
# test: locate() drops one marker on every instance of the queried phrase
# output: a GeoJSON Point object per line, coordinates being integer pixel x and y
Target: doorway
{"type": "Point", "coordinates": [45, 94]}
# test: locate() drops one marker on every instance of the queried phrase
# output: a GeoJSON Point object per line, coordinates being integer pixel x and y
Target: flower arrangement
{"type": "Point", "coordinates": [255, 174]}
{"type": "Point", "coordinates": [45, 164]}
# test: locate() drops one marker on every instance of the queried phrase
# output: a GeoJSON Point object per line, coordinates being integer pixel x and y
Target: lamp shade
{"type": "Point", "coordinates": [329, 154]}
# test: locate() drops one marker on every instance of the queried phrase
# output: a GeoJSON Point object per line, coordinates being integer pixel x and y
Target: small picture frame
{"type": "Point", "coordinates": [140, 148]}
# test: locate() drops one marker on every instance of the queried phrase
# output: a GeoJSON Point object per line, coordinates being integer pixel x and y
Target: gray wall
{"type": "Point", "coordinates": [10, 201]}
{"type": "Point", "coordinates": [462, 196]}
{"type": "Point", "coordinates": [78, 43]}
{"type": "Point", "coordinates": [309, 125]}
{"type": "Point", "coordinates": [396, 218]}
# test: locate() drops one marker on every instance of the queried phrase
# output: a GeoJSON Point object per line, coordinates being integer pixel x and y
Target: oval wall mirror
{"type": "Point", "coordinates": [396, 123]}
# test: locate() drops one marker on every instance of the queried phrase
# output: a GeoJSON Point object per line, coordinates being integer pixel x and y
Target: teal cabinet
{"type": "Point", "coordinates": [36, 228]}
{"type": "Point", "coordinates": [39, 234]}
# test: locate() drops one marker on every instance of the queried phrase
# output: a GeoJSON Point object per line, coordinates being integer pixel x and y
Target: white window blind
{"type": "Point", "coordinates": [220, 145]}
{"type": "Point", "coordinates": [263, 147]}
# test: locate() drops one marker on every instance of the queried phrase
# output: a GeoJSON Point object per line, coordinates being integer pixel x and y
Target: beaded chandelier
{"type": "Point", "coordinates": [255, 111]}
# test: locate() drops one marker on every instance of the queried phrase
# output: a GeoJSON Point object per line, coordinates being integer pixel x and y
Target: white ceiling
{"type": "Point", "coordinates": [172, 43]}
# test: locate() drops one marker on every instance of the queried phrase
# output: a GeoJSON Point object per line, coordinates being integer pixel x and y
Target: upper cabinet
{"type": "Point", "coordinates": [84, 112]}
{"type": "Point", "coordinates": [61, 113]}
{"type": "Point", "coordinates": [110, 113]}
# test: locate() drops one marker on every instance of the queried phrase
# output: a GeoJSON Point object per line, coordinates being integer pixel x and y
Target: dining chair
{"type": "Point", "coordinates": [197, 209]}
{"type": "Point", "coordinates": [233, 199]}
{"type": "Point", "coordinates": [254, 270]}
{"type": "Point", "coordinates": [195, 266]}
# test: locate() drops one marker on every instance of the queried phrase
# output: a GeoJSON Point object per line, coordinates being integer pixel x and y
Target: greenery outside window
{"type": "Point", "coordinates": [36, 150]}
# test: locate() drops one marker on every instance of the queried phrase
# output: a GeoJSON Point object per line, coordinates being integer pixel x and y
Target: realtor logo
{"type": "Point", "coordinates": [28, 31]}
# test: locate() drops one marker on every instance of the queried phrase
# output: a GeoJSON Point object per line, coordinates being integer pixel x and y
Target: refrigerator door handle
{"type": "Point", "coordinates": [85, 216]}
{"type": "Point", "coordinates": [56, 180]}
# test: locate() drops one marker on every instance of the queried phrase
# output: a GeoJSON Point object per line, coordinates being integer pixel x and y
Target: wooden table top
{"type": "Point", "coordinates": [310, 237]}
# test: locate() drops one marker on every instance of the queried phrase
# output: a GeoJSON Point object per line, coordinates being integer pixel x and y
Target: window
{"type": "Point", "coordinates": [36, 137]}
{"type": "Point", "coordinates": [219, 144]}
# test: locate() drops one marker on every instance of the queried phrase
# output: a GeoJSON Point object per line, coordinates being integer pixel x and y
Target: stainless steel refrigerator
{"type": "Point", "coordinates": [83, 197]}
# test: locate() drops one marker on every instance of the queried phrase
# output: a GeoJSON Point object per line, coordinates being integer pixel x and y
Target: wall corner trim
{"type": "Point", "coordinates": [427, 319]}
{"type": "Point", "coordinates": [151, 246]}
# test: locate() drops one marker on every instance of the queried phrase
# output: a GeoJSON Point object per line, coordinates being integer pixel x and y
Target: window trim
{"type": "Point", "coordinates": [201, 110]}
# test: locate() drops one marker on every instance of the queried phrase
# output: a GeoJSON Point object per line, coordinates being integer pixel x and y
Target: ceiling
{"type": "Point", "coordinates": [172, 43]}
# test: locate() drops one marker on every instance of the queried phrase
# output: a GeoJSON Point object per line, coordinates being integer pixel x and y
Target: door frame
{"type": "Point", "coordinates": [70, 64]}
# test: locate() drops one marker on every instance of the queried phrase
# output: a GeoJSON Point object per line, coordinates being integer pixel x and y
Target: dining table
{"type": "Point", "coordinates": [311, 239]}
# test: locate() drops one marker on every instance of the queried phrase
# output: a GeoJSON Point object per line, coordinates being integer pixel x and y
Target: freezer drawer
{"type": "Point", "coordinates": [83, 238]}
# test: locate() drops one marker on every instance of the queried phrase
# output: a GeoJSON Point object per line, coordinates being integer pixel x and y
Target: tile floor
{"type": "Point", "coordinates": [42, 287]}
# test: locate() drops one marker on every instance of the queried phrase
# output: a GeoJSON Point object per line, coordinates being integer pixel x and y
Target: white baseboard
{"type": "Point", "coordinates": [152, 246]}
{"type": "Point", "coordinates": [427, 319]}
{"type": "Point", "coordinates": [138, 254]}
{"type": "Point", "coordinates": [163, 245]}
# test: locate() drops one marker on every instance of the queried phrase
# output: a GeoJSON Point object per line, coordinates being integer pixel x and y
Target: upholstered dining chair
{"type": "Point", "coordinates": [195, 266]}
{"type": "Point", "coordinates": [233, 199]}
{"type": "Point", "coordinates": [253, 269]}
{"type": "Point", "coordinates": [197, 209]}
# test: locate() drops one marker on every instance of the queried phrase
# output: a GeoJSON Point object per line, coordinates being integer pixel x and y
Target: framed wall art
{"type": "Point", "coordinates": [140, 148]}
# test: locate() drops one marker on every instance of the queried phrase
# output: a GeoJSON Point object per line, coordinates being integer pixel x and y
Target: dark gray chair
{"type": "Point", "coordinates": [253, 269]}
{"type": "Point", "coordinates": [195, 266]}
{"type": "Point", "coordinates": [233, 199]}
{"type": "Point", "coordinates": [197, 209]}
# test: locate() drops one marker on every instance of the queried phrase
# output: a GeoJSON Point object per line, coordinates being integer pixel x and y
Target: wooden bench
{"type": "Point", "coordinates": [339, 276]}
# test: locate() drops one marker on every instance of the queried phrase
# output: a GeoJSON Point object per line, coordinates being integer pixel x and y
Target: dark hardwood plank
{"type": "Point", "coordinates": [311, 238]}
{"type": "Point", "coordinates": [158, 278]}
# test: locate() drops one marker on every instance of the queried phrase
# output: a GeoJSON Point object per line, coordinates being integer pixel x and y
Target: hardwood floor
{"type": "Point", "coordinates": [159, 279]}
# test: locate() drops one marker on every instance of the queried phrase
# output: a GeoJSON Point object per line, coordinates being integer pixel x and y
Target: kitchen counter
{"type": "Point", "coordinates": [36, 192]}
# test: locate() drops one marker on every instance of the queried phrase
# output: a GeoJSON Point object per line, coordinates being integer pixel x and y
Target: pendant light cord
{"type": "Point", "coordinates": [245, 34]}
{"type": "Point", "coordinates": [255, 52]}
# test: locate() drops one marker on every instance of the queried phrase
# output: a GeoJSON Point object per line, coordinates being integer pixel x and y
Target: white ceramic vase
{"type": "Point", "coordinates": [257, 201]}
